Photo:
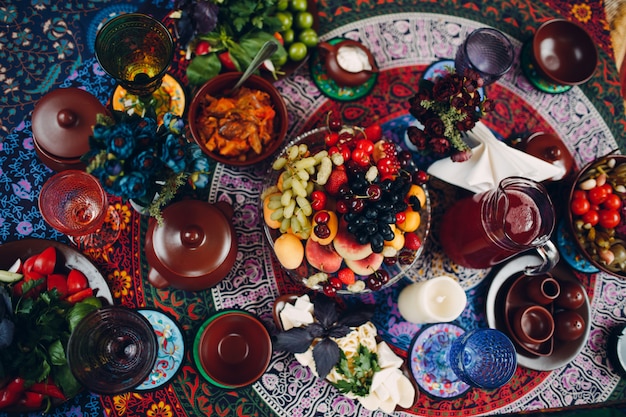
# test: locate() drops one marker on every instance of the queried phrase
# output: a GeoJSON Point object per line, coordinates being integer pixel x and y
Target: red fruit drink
{"type": "Point", "coordinates": [488, 228]}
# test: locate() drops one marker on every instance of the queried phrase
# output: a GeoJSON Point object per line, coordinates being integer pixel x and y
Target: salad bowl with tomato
{"type": "Point", "coordinates": [46, 289]}
{"type": "Point", "coordinates": [597, 215]}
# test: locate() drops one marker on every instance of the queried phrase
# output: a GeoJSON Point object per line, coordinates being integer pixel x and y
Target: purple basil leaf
{"type": "Point", "coordinates": [205, 16]}
{"type": "Point", "coordinates": [357, 316]}
{"type": "Point", "coordinates": [296, 340]}
{"type": "Point", "coordinates": [326, 355]}
{"type": "Point", "coordinates": [325, 310]}
{"type": "Point", "coordinates": [315, 330]}
{"type": "Point", "coordinates": [338, 330]}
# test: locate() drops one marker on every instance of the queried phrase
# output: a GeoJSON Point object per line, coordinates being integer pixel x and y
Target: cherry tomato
{"type": "Point", "coordinates": [592, 217]}
{"type": "Point", "coordinates": [597, 195]}
{"type": "Point", "coordinates": [609, 219]}
{"type": "Point", "coordinates": [612, 202]}
{"type": "Point", "coordinates": [579, 194]}
{"type": "Point", "coordinates": [580, 206]}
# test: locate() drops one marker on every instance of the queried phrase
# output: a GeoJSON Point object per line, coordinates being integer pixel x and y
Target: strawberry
{"type": "Point", "coordinates": [346, 275]}
{"type": "Point", "coordinates": [412, 241]}
{"type": "Point", "coordinates": [338, 177]}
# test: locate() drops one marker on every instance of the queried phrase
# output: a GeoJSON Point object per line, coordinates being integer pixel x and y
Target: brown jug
{"type": "Point", "coordinates": [332, 57]}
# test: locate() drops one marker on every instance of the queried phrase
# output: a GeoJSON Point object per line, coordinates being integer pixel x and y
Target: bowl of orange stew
{"type": "Point", "coordinates": [238, 127]}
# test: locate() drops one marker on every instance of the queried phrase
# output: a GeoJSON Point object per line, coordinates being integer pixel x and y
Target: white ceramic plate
{"type": "Point", "coordinates": [25, 248]}
{"type": "Point", "coordinates": [563, 353]}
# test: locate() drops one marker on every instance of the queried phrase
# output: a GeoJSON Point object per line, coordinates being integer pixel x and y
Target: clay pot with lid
{"type": "Point", "coordinates": [62, 123]}
{"type": "Point", "coordinates": [348, 63]}
{"type": "Point", "coordinates": [194, 248]}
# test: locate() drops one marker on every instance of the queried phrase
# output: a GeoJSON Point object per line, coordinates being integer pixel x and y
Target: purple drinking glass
{"type": "Point", "coordinates": [488, 52]}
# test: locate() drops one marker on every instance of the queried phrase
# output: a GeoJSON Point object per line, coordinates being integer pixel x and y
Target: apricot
{"type": "Point", "coordinates": [398, 238]}
{"type": "Point", "coordinates": [411, 222]}
{"type": "Point", "coordinates": [289, 250]}
{"type": "Point", "coordinates": [418, 192]}
{"type": "Point", "coordinates": [333, 226]}
{"type": "Point", "coordinates": [267, 213]}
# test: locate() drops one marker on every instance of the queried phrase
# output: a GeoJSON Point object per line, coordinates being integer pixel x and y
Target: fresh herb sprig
{"type": "Point", "coordinates": [330, 323]}
{"type": "Point", "coordinates": [358, 372]}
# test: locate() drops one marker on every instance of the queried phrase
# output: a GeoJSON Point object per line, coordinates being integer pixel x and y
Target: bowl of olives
{"type": "Point", "coordinates": [597, 215]}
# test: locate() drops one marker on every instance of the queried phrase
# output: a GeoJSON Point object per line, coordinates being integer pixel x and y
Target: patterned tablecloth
{"type": "Point", "coordinates": [54, 46]}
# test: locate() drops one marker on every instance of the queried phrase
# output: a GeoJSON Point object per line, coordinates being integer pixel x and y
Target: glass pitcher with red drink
{"type": "Point", "coordinates": [485, 229]}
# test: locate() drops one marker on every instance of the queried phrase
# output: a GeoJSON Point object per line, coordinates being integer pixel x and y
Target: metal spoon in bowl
{"type": "Point", "coordinates": [266, 51]}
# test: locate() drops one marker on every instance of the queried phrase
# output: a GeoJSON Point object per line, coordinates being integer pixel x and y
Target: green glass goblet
{"type": "Point", "coordinates": [136, 50]}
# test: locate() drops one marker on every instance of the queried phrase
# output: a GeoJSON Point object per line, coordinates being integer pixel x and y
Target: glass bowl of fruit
{"type": "Point", "coordinates": [345, 209]}
{"type": "Point", "coordinates": [597, 213]}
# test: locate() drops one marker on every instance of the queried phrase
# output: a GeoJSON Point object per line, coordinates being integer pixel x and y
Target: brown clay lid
{"type": "Point", "coordinates": [63, 120]}
{"type": "Point", "coordinates": [551, 149]}
{"type": "Point", "coordinates": [196, 242]}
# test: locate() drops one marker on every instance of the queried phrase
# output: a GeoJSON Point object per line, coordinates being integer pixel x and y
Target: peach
{"type": "Point", "coordinates": [322, 257]}
{"type": "Point", "coordinates": [411, 222]}
{"type": "Point", "coordinates": [333, 226]}
{"type": "Point", "coordinates": [267, 213]}
{"type": "Point", "coordinates": [347, 246]}
{"type": "Point", "coordinates": [367, 265]}
{"type": "Point", "coordinates": [289, 250]}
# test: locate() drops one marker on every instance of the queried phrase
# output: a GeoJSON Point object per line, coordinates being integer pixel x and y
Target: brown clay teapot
{"type": "Point", "coordinates": [194, 248]}
{"type": "Point", "coordinates": [348, 63]}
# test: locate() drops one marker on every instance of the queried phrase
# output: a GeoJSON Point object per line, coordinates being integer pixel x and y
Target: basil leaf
{"type": "Point", "coordinates": [78, 312]}
{"type": "Point", "coordinates": [326, 355]}
{"type": "Point", "coordinates": [203, 68]}
{"type": "Point", "coordinates": [325, 311]}
{"type": "Point", "coordinates": [295, 340]}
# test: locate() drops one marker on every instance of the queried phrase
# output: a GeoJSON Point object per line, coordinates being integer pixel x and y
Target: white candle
{"type": "Point", "coordinates": [438, 300]}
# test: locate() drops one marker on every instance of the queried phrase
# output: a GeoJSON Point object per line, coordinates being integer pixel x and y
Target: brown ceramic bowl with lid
{"type": "Point", "coordinates": [194, 248]}
{"type": "Point", "coordinates": [564, 52]}
{"type": "Point", "coordinates": [62, 123]}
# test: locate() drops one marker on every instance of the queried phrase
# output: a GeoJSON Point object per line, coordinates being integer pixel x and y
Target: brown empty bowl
{"type": "Point", "coordinates": [220, 86]}
{"type": "Point", "coordinates": [564, 52]}
{"type": "Point", "coordinates": [232, 349]}
{"type": "Point", "coordinates": [533, 324]}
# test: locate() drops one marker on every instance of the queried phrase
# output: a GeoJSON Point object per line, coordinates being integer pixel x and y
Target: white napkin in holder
{"type": "Point", "coordinates": [491, 162]}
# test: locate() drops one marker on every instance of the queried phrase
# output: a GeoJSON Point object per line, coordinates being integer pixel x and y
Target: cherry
{"type": "Point", "coordinates": [374, 192]}
{"type": "Point", "coordinates": [373, 283]}
{"type": "Point", "coordinates": [318, 200]}
{"type": "Point", "coordinates": [334, 122]}
{"type": "Point", "coordinates": [356, 205]}
{"type": "Point", "coordinates": [342, 207]}
{"type": "Point", "coordinates": [390, 260]}
{"type": "Point", "coordinates": [329, 290]}
{"type": "Point", "coordinates": [322, 217]}
{"type": "Point", "coordinates": [335, 282]}
{"type": "Point", "coordinates": [322, 231]}
{"type": "Point", "coordinates": [383, 276]}
{"type": "Point", "coordinates": [420, 177]}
